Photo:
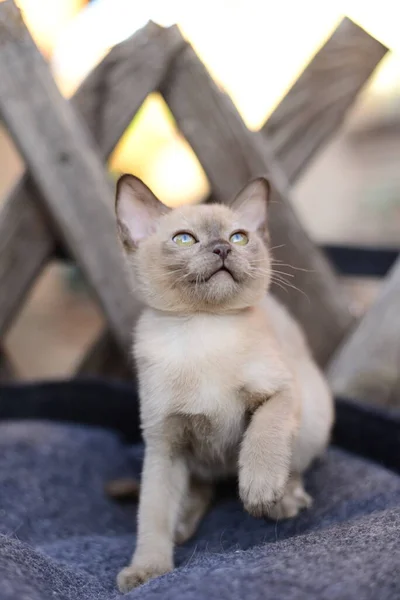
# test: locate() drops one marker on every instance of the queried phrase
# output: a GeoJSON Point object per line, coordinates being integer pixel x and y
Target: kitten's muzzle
{"type": "Point", "coordinates": [222, 268]}
{"type": "Point", "coordinates": [222, 249]}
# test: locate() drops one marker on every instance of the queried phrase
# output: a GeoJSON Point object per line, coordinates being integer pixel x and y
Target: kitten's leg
{"type": "Point", "coordinates": [195, 504]}
{"type": "Point", "coordinates": [164, 484]}
{"type": "Point", "coordinates": [294, 499]}
{"type": "Point", "coordinates": [266, 452]}
{"type": "Point", "coordinates": [194, 507]}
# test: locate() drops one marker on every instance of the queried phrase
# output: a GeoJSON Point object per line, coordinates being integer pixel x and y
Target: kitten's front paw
{"type": "Point", "coordinates": [260, 489]}
{"type": "Point", "coordinates": [134, 575]}
{"type": "Point", "coordinates": [294, 500]}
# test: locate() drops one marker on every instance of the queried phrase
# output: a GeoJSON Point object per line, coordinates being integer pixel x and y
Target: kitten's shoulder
{"type": "Point", "coordinates": [286, 329]}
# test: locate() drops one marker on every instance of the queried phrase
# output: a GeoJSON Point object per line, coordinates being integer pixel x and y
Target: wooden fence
{"type": "Point", "coordinates": [64, 197]}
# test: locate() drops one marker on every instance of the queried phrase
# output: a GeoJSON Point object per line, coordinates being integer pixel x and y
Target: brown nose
{"type": "Point", "coordinates": [222, 249]}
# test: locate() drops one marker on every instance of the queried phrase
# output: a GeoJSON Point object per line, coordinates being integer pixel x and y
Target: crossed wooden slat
{"type": "Point", "coordinates": [67, 196]}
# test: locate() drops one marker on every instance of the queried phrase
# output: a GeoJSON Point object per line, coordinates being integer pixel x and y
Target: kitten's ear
{"type": "Point", "coordinates": [137, 210]}
{"type": "Point", "coordinates": [251, 204]}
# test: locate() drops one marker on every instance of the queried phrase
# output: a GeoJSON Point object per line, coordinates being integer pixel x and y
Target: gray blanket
{"type": "Point", "coordinates": [62, 538]}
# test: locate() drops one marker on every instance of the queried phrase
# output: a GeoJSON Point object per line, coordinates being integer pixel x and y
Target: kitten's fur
{"type": "Point", "coordinates": [227, 382]}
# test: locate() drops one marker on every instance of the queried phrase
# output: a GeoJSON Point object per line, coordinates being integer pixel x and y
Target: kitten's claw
{"type": "Point", "coordinates": [133, 576]}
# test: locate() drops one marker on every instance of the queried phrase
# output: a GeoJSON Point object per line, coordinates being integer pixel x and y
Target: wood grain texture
{"type": "Point", "coordinates": [317, 103]}
{"type": "Point", "coordinates": [26, 242]}
{"type": "Point", "coordinates": [367, 365]}
{"type": "Point", "coordinates": [121, 81]}
{"type": "Point", "coordinates": [62, 161]}
{"type": "Point", "coordinates": [231, 155]}
{"type": "Point", "coordinates": [112, 94]}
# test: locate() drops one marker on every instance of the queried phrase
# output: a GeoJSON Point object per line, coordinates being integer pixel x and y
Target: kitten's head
{"type": "Point", "coordinates": [195, 258]}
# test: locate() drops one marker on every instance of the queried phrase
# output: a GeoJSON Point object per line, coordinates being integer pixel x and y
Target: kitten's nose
{"type": "Point", "coordinates": [222, 249]}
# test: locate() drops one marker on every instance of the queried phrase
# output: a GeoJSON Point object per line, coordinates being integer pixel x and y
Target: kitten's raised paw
{"type": "Point", "coordinates": [260, 492]}
{"type": "Point", "coordinates": [293, 501]}
{"type": "Point", "coordinates": [134, 575]}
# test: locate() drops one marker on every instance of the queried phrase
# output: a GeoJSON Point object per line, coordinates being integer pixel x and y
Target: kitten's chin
{"type": "Point", "coordinates": [227, 290]}
{"type": "Point", "coordinates": [218, 294]}
{"type": "Point", "coordinates": [216, 304]}
{"type": "Point", "coordinates": [222, 272]}
{"type": "Point", "coordinates": [219, 288]}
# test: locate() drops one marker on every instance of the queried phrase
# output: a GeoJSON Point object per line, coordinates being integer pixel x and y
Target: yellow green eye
{"type": "Point", "coordinates": [184, 239]}
{"type": "Point", "coordinates": [239, 238]}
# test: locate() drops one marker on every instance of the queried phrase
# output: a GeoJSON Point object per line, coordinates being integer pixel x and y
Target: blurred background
{"type": "Point", "coordinates": [256, 50]}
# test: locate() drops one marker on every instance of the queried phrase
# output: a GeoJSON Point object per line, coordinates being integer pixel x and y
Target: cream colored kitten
{"type": "Point", "coordinates": [227, 383]}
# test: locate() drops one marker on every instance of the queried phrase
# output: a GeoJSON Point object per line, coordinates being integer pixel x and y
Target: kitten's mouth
{"type": "Point", "coordinates": [222, 269]}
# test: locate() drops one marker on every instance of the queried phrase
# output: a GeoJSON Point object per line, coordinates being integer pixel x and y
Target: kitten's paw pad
{"type": "Point", "coordinates": [132, 576]}
{"type": "Point", "coordinates": [260, 493]}
{"type": "Point", "coordinates": [294, 500]}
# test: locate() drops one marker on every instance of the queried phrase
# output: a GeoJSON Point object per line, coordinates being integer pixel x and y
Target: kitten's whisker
{"type": "Point", "coordinates": [282, 273]}
{"type": "Point", "coordinates": [280, 277]}
{"type": "Point", "coordinates": [280, 285]}
{"type": "Point", "coordinates": [262, 259]}
{"type": "Point", "coordinates": [290, 285]}
{"type": "Point", "coordinates": [251, 275]}
{"type": "Point", "coordinates": [299, 290]}
{"type": "Point", "coordinates": [277, 278]}
{"type": "Point", "coordinates": [182, 278]}
{"type": "Point", "coordinates": [279, 263]}
{"type": "Point", "coordinates": [272, 272]}
{"type": "Point", "coordinates": [282, 264]}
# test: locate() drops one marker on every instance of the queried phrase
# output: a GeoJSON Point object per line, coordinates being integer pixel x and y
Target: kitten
{"type": "Point", "coordinates": [227, 382]}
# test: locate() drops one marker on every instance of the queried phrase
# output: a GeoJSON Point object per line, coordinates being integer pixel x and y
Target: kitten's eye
{"type": "Point", "coordinates": [184, 239]}
{"type": "Point", "coordinates": [239, 238]}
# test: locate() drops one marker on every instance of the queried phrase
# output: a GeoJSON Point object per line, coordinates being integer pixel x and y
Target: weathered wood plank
{"type": "Point", "coordinates": [317, 103]}
{"type": "Point", "coordinates": [104, 357]}
{"type": "Point", "coordinates": [26, 242]}
{"type": "Point", "coordinates": [102, 91]}
{"type": "Point", "coordinates": [231, 155]}
{"type": "Point", "coordinates": [394, 398]}
{"type": "Point", "coordinates": [62, 161]}
{"type": "Point", "coordinates": [107, 101]}
{"type": "Point", "coordinates": [112, 94]}
{"type": "Point", "coordinates": [309, 114]}
{"type": "Point", "coordinates": [367, 365]}
{"type": "Point", "coordinates": [7, 371]}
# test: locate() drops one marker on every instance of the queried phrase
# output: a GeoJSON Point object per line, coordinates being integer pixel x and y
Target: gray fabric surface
{"type": "Point", "coordinates": [62, 538]}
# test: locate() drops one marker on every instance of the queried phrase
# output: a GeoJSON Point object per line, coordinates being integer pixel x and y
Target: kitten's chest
{"type": "Point", "coordinates": [191, 378]}
{"type": "Point", "coordinates": [197, 362]}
